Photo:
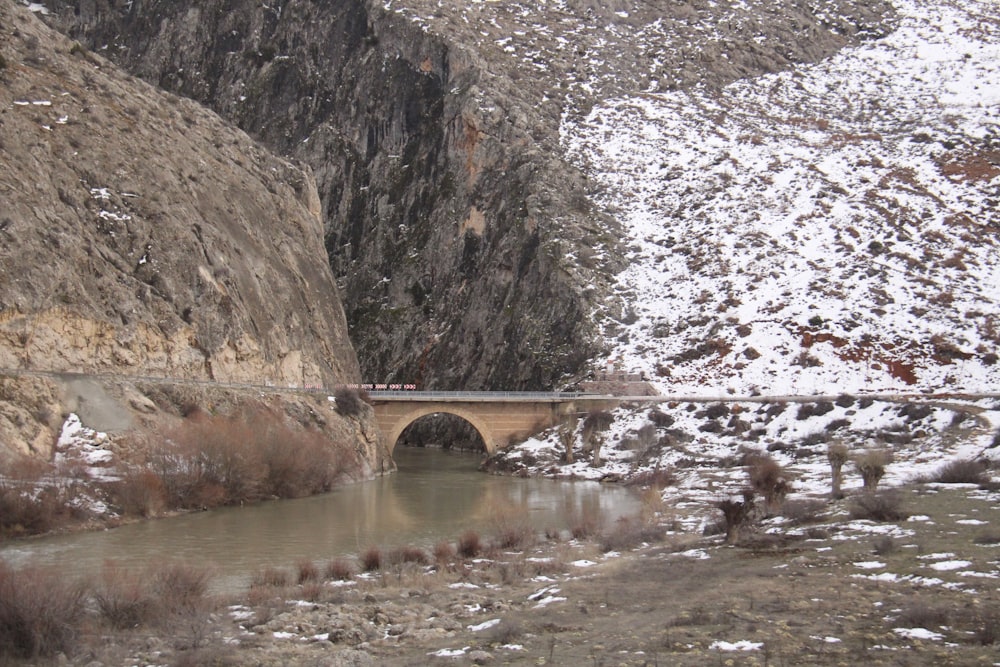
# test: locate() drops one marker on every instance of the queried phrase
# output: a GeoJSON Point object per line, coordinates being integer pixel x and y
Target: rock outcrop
{"type": "Point", "coordinates": [468, 250]}
{"type": "Point", "coordinates": [143, 237]}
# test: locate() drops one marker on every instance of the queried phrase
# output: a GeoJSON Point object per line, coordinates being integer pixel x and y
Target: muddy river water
{"type": "Point", "coordinates": [435, 495]}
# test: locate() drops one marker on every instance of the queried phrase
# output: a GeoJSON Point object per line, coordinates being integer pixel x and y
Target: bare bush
{"type": "Point", "coordinates": [139, 493]}
{"type": "Point", "coordinates": [307, 572]}
{"type": "Point", "coordinates": [877, 506]}
{"type": "Point", "coordinates": [469, 545]}
{"type": "Point", "coordinates": [872, 463]}
{"type": "Point", "coordinates": [768, 478]}
{"type": "Point", "coordinates": [963, 471]}
{"type": "Point", "coordinates": [444, 552]}
{"type": "Point", "coordinates": [628, 533]}
{"type": "Point", "coordinates": [122, 597]}
{"type": "Point", "coordinates": [339, 569]}
{"type": "Point", "coordinates": [658, 478]}
{"type": "Point", "coordinates": [806, 510]}
{"type": "Point", "coordinates": [349, 401]}
{"type": "Point", "coordinates": [30, 503]}
{"type": "Point", "coordinates": [270, 577]}
{"type": "Point", "coordinates": [371, 559]}
{"type": "Point", "coordinates": [407, 554]}
{"type": "Point", "coordinates": [512, 528]}
{"type": "Point", "coordinates": [586, 524]}
{"type": "Point", "coordinates": [40, 613]}
{"type": "Point", "coordinates": [208, 461]}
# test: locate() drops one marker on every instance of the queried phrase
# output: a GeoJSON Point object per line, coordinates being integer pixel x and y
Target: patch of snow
{"type": "Point", "coordinates": [948, 565]}
{"type": "Point", "coordinates": [869, 565]}
{"type": "Point", "coordinates": [449, 652]}
{"type": "Point", "coordinates": [485, 625]}
{"type": "Point", "coordinates": [918, 633]}
{"type": "Point", "coordinates": [742, 645]}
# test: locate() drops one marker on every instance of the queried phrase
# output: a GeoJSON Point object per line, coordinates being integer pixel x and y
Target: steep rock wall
{"type": "Point", "coordinates": [144, 237]}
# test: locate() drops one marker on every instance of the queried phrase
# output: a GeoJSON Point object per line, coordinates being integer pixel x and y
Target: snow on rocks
{"type": "Point", "coordinates": [785, 231]}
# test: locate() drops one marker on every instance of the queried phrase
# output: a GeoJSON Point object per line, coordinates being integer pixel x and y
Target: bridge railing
{"type": "Point", "coordinates": [476, 395]}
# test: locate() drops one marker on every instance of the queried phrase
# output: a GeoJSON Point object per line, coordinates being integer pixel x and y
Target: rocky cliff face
{"type": "Point", "coordinates": [468, 250]}
{"type": "Point", "coordinates": [142, 236]}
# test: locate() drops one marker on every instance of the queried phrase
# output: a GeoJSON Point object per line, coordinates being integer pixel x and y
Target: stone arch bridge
{"type": "Point", "coordinates": [498, 416]}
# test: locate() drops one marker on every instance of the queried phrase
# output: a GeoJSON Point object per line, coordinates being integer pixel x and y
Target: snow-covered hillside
{"type": "Point", "coordinates": [828, 229]}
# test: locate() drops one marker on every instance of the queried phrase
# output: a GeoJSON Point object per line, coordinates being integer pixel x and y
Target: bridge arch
{"type": "Point", "coordinates": [400, 422]}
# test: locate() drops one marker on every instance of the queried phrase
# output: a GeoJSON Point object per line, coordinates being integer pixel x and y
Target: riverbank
{"type": "Point", "coordinates": [822, 588]}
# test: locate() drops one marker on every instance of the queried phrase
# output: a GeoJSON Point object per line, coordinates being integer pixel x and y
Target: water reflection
{"type": "Point", "coordinates": [434, 496]}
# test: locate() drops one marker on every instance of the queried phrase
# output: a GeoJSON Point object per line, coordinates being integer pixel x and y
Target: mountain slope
{"type": "Point", "coordinates": [469, 253]}
{"type": "Point", "coordinates": [830, 228]}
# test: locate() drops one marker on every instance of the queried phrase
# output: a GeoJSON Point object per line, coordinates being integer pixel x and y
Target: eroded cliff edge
{"type": "Point", "coordinates": [143, 237]}
{"type": "Point", "coordinates": [468, 250]}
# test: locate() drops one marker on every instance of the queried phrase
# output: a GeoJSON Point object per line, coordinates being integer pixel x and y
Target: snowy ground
{"type": "Point", "coordinates": [826, 229]}
{"type": "Point", "coordinates": [704, 446]}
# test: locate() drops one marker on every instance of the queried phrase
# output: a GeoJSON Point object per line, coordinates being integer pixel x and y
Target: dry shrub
{"type": "Point", "coordinates": [40, 613]}
{"type": "Point", "coordinates": [469, 544]}
{"type": "Point", "coordinates": [923, 615]}
{"type": "Point", "coordinates": [371, 559]}
{"type": "Point", "coordinates": [349, 401]}
{"type": "Point", "coordinates": [307, 572]}
{"type": "Point", "coordinates": [123, 597]}
{"type": "Point", "coordinates": [181, 589]}
{"type": "Point", "coordinates": [339, 569]}
{"type": "Point", "coordinates": [506, 631]}
{"type": "Point", "coordinates": [658, 478]}
{"type": "Point", "coordinates": [407, 554]}
{"type": "Point", "coordinates": [512, 528]}
{"type": "Point", "coordinates": [270, 577]}
{"type": "Point", "coordinates": [161, 594]}
{"type": "Point", "coordinates": [139, 493]}
{"type": "Point", "coordinates": [964, 471]}
{"type": "Point", "coordinates": [877, 506]}
{"type": "Point", "coordinates": [444, 552]}
{"type": "Point", "coordinates": [768, 478]}
{"type": "Point", "coordinates": [884, 545]}
{"type": "Point", "coordinates": [628, 533]}
{"type": "Point", "coordinates": [586, 524]}
{"type": "Point", "coordinates": [30, 503]}
{"type": "Point", "coordinates": [209, 461]}
{"type": "Point", "coordinates": [805, 510]}
{"type": "Point", "coordinates": [872, 463]}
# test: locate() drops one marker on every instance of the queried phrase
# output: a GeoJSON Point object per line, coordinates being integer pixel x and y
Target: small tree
{"type": "Point", "coordinates": [596, 422]}
{"type": "Point", "coordinates": [836, 454]}
{"type": "Point", "coordinates": [871, 464]}
{"type": "Point", "coordinates": [567, 437]}
{"type": "Point", "coordinates": [768, 478]}
{"type": "Point", "coordinates": [736, 514]}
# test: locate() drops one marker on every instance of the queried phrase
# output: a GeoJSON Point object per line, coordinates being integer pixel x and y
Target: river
{"type": "Point", "coordinates": [435, 495]}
